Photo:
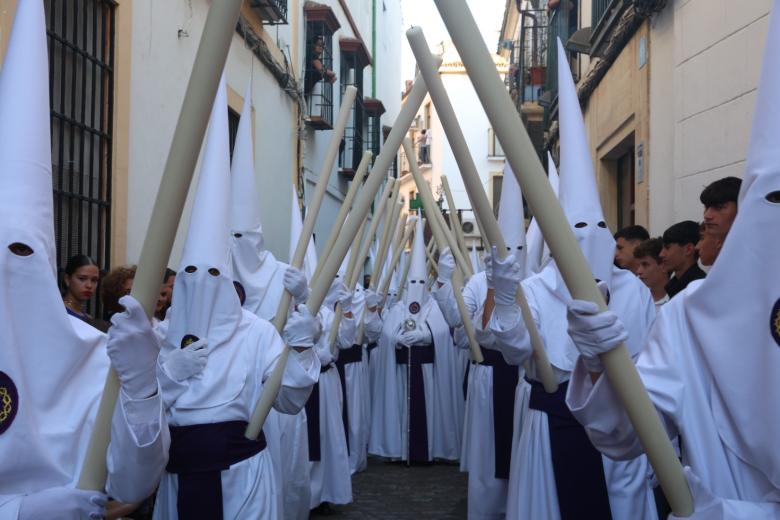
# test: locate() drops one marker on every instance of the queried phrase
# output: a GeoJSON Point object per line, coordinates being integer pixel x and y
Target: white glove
{"type": "Point", "coordinates": [133, 348]}
{"type": "Point", "coordinates": [489, 270]}
{"type": "Point", "coordinates": [63, 503]}
{"type": "Point", "coordinates": [445, 266]}
{"type": "Point", "coordinates": [594, 332]}
{"type": "Point", "coordinates": [506, 277]}
{"type": "Point", "coordinates": [414, 337]}
{"type": "Point", "coordinates": [295, 283]}
{"type": "Point", "coordinates": [301, 329]}
{"type": "Point", "coordinates": [374, 299]}
{"type": "Point", "coordinates": [187, 362]}
{"type": "Point", "coordinates": [345, 299]}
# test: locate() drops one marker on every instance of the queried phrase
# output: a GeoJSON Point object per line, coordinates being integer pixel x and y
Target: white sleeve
{"type": "Point", "coordinates": [512, 338]}
{"type": "Point", "coordinates": [138, 451]}
{"type": "Point", "coordinates": [445, 299]}
{"type": "Point", "coordinates": [300, 373]}
{"type": "Point", "coordinates": [373, 326]}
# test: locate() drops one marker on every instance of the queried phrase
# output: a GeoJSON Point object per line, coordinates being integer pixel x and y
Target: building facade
{"type": "Point", "coordinates": [119, 70]}
{"type": "Point", "coordinates": [667, 90]}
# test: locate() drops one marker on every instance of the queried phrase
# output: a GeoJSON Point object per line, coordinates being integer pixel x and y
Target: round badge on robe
{"type": "Point", "coordinates": [9, 402]}
{"type": "Point", "coordinates": [774, 322]}
{"type": "Point", "coordinates": [414, 307]}
{"type": "Point", "coordinates": [188, 340]}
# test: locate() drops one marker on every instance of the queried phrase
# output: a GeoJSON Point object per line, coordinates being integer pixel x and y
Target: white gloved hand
{"type": "Point", "coordinates": [374, 299]}
{"type": "Point", "coordinates": [295, 282]}
{"type": "Point", "coordinates": [445, 266]}
{"type": "Point", "coordinates": [187, 362]}
{"type": "Point", "coordinates": [63, 503]}
{"type": "Point", "coordinates": [489, 270]}
{"type": "Point", "coordinates": [133, 348]}
{"type": "Point", "coordinates": [345, 297]}
{"type": "Point", "coordinates": [594, 332]}
{"type": "Point", "coordinates": [301, 329]}
{"type": "Point", "coordinates": [506, 277]}
{"type": "Point", "coordinates": [414, 337]}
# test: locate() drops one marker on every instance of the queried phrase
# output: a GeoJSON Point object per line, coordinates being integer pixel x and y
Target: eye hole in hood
{"type": "Point", "coordinates": [20, 249]}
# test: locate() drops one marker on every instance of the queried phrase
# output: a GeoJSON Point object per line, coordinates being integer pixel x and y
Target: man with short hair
{"type": "Point", "coordinates": [678, 256]}
{"type": "Point", "coordinates": [720, 204]}
{"type": "Point", "coordinates": [648, 260]}
{"type": "Point", "coordinates": [710, 242]}
{"type": "Point", "coordinates": [626, 240]}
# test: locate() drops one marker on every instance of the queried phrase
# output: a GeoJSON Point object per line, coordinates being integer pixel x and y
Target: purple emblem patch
{"type": "Point", "coordinates": [9, 402]}
{"type": "Point", "coordinates": [414, 307]}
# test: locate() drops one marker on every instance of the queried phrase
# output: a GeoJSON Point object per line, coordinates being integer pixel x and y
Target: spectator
{"type": "Point", "coordinates": [678, 256]}
{"type": "Point", "coordinates": [81, 280]}
{"type": "Point", "coordinates": [625, 241]}
{"type": "Point", "coordinates": [116, 284]}
{"type": "Point", "coordinates": [424, 141]}
{"type": "Point", "coordinates": [720, 204]}
{"type": "Point", "coordinates": [710, 243]}
{"type": "Point", "coordinates": [166, 294]}
{"type": "Point", "coordinates": [316, 70]}
{"type": "Point", "coordinates": [647, 257]}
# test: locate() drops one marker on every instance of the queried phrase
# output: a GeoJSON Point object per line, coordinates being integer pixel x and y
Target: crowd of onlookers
{"type": "Point", "coordinates": [667, 264]}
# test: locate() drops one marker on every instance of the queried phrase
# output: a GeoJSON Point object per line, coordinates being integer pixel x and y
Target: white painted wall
{"type": "Point", "coordinates": [705, 58]}
{"type": "Point", "coordinates": [161, 64]}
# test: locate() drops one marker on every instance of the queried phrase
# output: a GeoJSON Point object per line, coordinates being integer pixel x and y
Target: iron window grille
{"type": "Point", "coordinates": [272, 12]}
{"type": "Point", "coordinates": [354, 58]}
{"type": "Point", "coordinates": [374, 110]}
{"type": "Point", "coordinates": [321, 23]}
{"type": "Point", "coordinates": [81, 40]}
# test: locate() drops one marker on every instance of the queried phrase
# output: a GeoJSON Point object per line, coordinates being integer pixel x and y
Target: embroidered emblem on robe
{"type": "Point", "coordinates": [188, 340]}
{"type": "Point", "coordinates": [9, 401]}
{"type": "Point", "coordinates": [414, 307]}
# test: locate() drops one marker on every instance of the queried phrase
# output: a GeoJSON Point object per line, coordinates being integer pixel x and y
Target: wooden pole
{"type": "Point", "coordinates": [359, 211]}
{"type": "Point", "coordinates": [396, 236]}
{"type": "Point", "coordinates": [439, 230]}
{"type": "Point", "coordinates": [338, 313]}
{"type": "Point", "coordinates": [571, 263]}
{"type": "Point", "coordinates": [476, 193]}
{"type": "Point", "coordinates": [400, 244]}
{"type": "Point", "coordinates": [357, 180]}
{"type": "Point", "coordinates": [177, 175]}
{"type": "Point", "coordinates": [387, 236]}
{"type": "Point", "coordinates": [455, 225]}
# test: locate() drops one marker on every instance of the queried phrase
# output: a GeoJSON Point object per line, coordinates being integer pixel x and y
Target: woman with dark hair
{"type": "Point", "coordinates": [81, 280]}
{"type": "Point", "coordinates": [116, 283]}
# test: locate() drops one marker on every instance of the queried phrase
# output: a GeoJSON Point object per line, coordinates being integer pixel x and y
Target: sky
{"type": "Point", "coordinates": [488, 13]}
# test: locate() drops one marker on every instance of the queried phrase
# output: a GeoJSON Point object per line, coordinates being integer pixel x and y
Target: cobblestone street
{"type": "Point", "coordinates": [394, 491]}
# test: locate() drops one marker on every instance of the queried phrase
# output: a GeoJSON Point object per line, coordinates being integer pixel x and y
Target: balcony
{"type": "Point", "coordinates": [272, 12]}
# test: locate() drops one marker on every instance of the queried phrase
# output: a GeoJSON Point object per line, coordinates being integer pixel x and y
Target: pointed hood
{"type": "Point", "coordinates": [49, 361]}
{"type": "Point", "coordinates": [416, 291]}
{"type": "Point", "coordinates": [476, 264]}
{"type": "Point", "coordinates": [245, 209]}
{"type": "Point", "coordinates": [579, 195]}
{"type": "Point", "coordinates": [734, 314]}
{"type": "Point", "coordinates": [26, 200]}
{"type": "Point", "coordinates": [538, 252]}
{"type": "Point", "coordinates": [511, 218]}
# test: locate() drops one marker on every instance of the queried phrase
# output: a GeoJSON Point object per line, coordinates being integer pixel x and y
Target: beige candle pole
{"type": "Point", "coordinates": [177, 175]}
{"type": "Point", "coordinates": [455, 225]}
{"type": "Point", "coordinates": [396, 235]}
{"type": "Point", "coordinates": [404, 275]}
{"type": "Point", "coordinates": [358, 256]}
{"type": "Point", "coordinates": [439, 230]}
{"type": "Point", "coordinates": [357, 180]}
{"type": "Point", "coordinates": [397, 251]}
{"type": "Point", "coordinates": [476, 193]}
{"type": "Point", "coordinates": [338, 314]}
{"type": "Point", "coordinates": [387, 235]}
{"type": "Point", "coordinates": [463, 263]}
{"type": "Point", "coordinates": [571, 263]}
{"type": "Point", "coordinates": [274, 381]}
{"type": "Point", "coordinates": [360, 209]}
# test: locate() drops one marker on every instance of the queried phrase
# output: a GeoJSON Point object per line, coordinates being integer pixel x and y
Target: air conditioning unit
{"type": "Point", "coordinates": [469, 227]}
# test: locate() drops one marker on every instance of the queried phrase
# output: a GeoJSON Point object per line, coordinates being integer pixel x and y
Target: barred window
{"type": "Point", "coordinates": [318, 77]}
{"type": "Point", "coordinates": [354, 58]}
{"type": "Point", "coordinates": [80, 36]}
{"type": "Point", "coordinates": [374, 110]}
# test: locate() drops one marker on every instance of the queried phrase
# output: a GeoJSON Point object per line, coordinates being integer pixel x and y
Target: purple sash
{"type": "Point", "coordinates": [418, 424]}
{"type": "Point", "coordinates": [353, 354]}
{"type": "Point", "coordinates": [198, 454]}
{"type": "Point", "coordinates": [313, 419]}
{"type": "Point", "coordinates": [505, 377]}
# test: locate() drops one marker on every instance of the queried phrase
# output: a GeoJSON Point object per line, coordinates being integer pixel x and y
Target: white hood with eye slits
{"type": "Point", "coordinates": [416, 291]}
{"type": "Point", "coordinates": [579, 194]}
{"type": "Point", "coordinates": [511, 218]}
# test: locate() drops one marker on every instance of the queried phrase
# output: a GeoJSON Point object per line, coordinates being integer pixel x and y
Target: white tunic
{"type": "Point", "coordinates": [330, 477]}
{"type": "Point", "coordinates": [532, 481]}
{"type": "Point", "coordinates": [250, 359]}
{"type": "Point", "coordinates": [487, 495]}
{"type": "Point", "coordinates": [443, 391]}
{"type": "Point", "coordinates": [680, 386]}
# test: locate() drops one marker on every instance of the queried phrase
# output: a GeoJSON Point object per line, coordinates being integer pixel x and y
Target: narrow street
{"type": "Point", "coordinates": [390, 490]}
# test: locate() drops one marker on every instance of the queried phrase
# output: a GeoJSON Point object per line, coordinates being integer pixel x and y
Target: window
{"type": "Point", "coordinates": [496, 183]}
{"type": "Point", "coordinates": [494, 146]}
{"type": "Point", "coordinates": [80, 36]}
{"type": "Point", "coordinates": [625, 189]}
{"type": "Point", "coordinates": [354, 58]}
{"type": "Point", "coordinates": [318, 77]}
{"type": "Point", "coordinates": [373, 110]}
{"type": "Point", "coordinates": [427, 115]}
{"type": "Point", "coordinates": [233, 119]}
{"type": "Point", "coordinates": [272, 12]}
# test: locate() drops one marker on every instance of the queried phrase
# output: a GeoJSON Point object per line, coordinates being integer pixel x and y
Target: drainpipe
{"type": "Point", "coordinates": [373, 48]}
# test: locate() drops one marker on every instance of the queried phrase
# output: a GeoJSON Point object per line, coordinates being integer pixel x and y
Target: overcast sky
{"type": "Point", "coordinates": [488, 13]}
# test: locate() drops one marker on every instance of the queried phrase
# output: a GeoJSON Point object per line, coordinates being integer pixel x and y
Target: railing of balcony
{"type": "Point", "coordinates": [599, 10]}
{"type": "Point", "coordinates": [271, 11]}
{"type": "Point", "coordinates": [532, 59]}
